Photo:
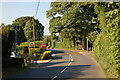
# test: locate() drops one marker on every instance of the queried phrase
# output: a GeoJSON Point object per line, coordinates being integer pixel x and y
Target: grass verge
{"type": "Point", "coordinates": [108, 75]}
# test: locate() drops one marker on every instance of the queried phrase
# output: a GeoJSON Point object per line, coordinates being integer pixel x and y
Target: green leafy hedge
{"type": "Point", "coordinates": [65, 45]}
{"type": "Point", "coordinates": [107, 43]}
{"type": "Point", "coordinates": [37, 43]}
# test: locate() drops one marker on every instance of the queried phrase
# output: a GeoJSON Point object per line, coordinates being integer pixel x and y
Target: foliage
{"type": "Point", "coordinates": [47, 55]}
{"type": "Point", "coordinates": [75, 20]}
{"type": "Point", "coordinates": [47, 39]}
{"type": "Point", "coordinates": [107, 43]}
{"type": "Point", "coordinates": [8, 37]}
{"type": "Point", "coordinates": [37, 43]}
{"type": "Point", "coordinates": [24, 29]}
{"type": "Point", "coordinates": [25, 50]}
{"type": "Point", "coordinates": [99, 22]}
{"type": "Point", "coordinates": [92, 36]}
{"type": "Point", "coordinates": [64, 45]}
{"type": "Point", "coordinates": [36, 50]}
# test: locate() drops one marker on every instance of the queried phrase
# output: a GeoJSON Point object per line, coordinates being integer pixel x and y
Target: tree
{"type": "Point", "coordinates": [24, 29]}
{"type": "Point", "coordinates": [8, 38]}
{"type": "Point", "coordinates": [77, 19]}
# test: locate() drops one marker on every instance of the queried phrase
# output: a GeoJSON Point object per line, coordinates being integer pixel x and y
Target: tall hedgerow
{"type": "Point", "coordinates": [107, 43]}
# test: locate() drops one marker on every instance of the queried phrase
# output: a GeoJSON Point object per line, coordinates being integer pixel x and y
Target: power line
{"type": "Point", "coordinates": [37, 8]}
{"type": "Point", "coordinates": [34, 22]}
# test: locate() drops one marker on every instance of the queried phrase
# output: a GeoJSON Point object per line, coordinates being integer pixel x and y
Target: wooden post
{"type": "Point", "coordinates": [34, 31]}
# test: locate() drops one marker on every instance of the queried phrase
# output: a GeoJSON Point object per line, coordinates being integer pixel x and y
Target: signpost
{"type": "Point", "coordinates": [44, 46]}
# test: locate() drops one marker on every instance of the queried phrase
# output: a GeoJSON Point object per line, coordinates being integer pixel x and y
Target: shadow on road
{"type": "Point", "coordinates": [57, 57]}
{"type": "Point", "coordinates": [72, 71]}
{"type": "Point", "coordinates": [56, 51]}
{"type": "Point", "coordinates": [51, 69]}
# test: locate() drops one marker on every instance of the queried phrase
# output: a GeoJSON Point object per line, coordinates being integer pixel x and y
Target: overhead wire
{"type": "Point", "coordinates": [34, 22]}
{"type": "Point", "coordinates": [37, 8]}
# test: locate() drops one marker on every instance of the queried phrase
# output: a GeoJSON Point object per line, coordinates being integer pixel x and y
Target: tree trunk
{"type": "Point", "coordinates": [84, 40]}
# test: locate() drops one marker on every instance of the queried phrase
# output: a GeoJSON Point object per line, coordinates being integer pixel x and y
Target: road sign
{"type": "Point", "coordinates": [44, 45]}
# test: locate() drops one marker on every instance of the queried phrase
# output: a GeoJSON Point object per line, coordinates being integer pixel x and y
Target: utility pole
{"type": "Point", "coordinates": [34, 23]}
{"type": "Point", "coordinates": [87, 44]}
{"type": "Point", "coordinates": [33, 31]}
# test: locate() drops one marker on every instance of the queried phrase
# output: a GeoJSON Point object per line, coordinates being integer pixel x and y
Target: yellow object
{"type": "Point", "coordinates": [47, 52]}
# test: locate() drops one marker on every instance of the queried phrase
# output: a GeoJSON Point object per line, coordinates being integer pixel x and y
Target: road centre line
{"type": "Point", "coordinates": [65, 67]}
{"type": "Point", "coordinates": [54, 77]}
{"type": "Point", "coordinates": [69, 64]}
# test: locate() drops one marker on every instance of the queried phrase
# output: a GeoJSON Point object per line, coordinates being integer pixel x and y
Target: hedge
{"type": "Point", "coordinates": [37, 43]}
{"type": "Point", "coordinates": [64, 45]}
{"type": "Point", "coordinates": [107, 43]}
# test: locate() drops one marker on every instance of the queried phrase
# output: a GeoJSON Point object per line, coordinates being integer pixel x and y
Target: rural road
{"type": "Point", "coordinates": [66, 64]}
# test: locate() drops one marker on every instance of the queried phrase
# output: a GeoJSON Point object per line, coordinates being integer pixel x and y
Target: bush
{"type": "Point", "coordinates": [25, 50]}
{"type": "Point", "coordinates": [24, 44]}
{"type": "Point", "coordinates": [20, 47]}
{"type": "Point", "coordinates": [47, 55]}
{"type": "Point", "coordinates": [38, 43]}
{"type": "Point", "coordinates": [37, 56]}
{"type": "Point", "coordinates": [41, 50]}
{"type": "Point", "coordinates": [36, 50]}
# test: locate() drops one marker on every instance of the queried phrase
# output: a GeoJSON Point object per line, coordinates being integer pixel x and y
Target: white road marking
{"type": "Point", "coordinates": [69, 64]}
{"type": "Point", "coordinates": [54, 78]}
{"type": "Point", "coordinates": [65, 67]}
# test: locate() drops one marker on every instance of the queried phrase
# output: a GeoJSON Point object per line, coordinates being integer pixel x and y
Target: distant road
{"type": "Point", "coordinates": [66, 64]}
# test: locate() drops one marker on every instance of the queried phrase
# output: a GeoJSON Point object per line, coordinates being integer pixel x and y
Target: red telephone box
{"type": "Point", "coordinates": [44, 46]}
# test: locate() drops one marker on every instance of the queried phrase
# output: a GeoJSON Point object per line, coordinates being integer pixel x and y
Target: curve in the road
{"type": "Point", "coordinates": [64, 68]}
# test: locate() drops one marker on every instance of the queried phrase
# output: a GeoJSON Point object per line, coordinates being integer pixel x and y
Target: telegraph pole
{"type": "Point", "coordinates": [87, 44]}
{"type": "Point", "coordinates": [34, 23]}
{"type": "Point", "coordinates": [33, 31]}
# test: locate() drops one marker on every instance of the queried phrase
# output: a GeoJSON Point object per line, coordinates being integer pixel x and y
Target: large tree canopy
{"type": "Point", "coordinates": [72, 18]}
{"type": "Point", "coordinates": [24, 29]}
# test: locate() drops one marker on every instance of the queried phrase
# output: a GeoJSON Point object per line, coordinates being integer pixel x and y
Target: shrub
{"type": "Point", "coordinates": [47, 55]}
{"type": "Point", "coordinates": [20, 47]}
{"type": "Point", "coordinates": [38, 43]}
{"type": "Point", "coordinates": [25, 50]}
{"type": "Point", "coordinates": [24, 43]}
{"type": "Point", "coordinates": [36, 50]}
{"type": "Point", "coordinates": [41, 50]}
{"type": "Point", "coordinates": [64, 45]}
{"type": "Point", "coordinates": [37, 56]}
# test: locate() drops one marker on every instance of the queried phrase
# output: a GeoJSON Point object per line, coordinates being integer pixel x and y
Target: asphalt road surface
{"type": "Point", "coordinates": [66, 64]}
